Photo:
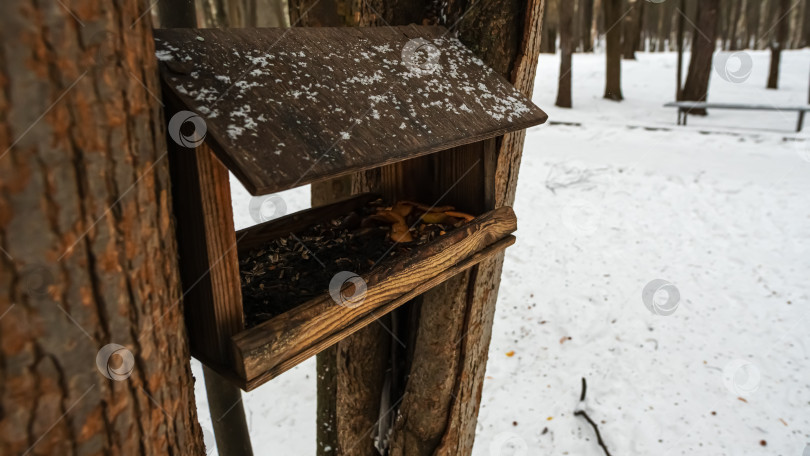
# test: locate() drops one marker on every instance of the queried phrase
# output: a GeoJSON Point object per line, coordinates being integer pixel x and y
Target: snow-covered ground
{"type": "Point", "coordinates": [719, 209]}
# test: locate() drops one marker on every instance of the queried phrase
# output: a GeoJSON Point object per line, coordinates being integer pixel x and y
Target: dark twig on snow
{"type": "Point", "coordinates": [584, 414]}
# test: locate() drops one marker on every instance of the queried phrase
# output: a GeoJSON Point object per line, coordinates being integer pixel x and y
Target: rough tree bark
{"type": "Point", "coordinates": [700, 64]}
{"type": "Point", "coordinates": [781, 31]}
{"type": "Point", "coordinates": [613, 25]}
{"type": "Point", "coordinates": [88, 247]}
{"type": "Point", "coordinates": [566, 11]}
{"type": "Point", "coordinates": [436, 379]}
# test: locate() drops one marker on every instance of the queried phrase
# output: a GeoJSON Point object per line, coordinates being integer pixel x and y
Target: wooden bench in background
{"type": "Point", "coordinates": [684, 107]}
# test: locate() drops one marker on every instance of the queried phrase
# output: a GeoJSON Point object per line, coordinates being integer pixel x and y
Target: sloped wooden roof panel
{"type": "Point", "coordinates": [286, 107]}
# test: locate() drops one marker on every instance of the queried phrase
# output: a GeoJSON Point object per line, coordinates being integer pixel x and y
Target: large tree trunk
{"type": "Point", "coordinates": [700, 64]}
{"type": "Point", "coordinates": [613, 79]}
{"type": "Point", "coordinates": [782, 29]}
{"type": "Point", "coordinates": [566, 10]}
{"type": "Point", "coordinates": [432, 384]}
{"type": "Point", "coordinates": [88, 246]}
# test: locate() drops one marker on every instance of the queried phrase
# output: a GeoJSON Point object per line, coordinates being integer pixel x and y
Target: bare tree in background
{"type": "Point", "coordinates": [613, 24]}
{"type": "Point", "coordinates": [782, 29]}
{"type": "Point", "coordinates": [566, 11]}
{"type": "Point", "coordinates": [632, 28]}
{"type": "Point", "coordinates": [700, 65]}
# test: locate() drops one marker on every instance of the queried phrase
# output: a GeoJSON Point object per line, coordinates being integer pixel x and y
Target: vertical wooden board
{"type": "Point", "coordinates": [208, 259]}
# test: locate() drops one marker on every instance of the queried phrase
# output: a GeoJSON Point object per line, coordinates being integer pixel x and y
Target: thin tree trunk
{"type": "Point", "coordinates": [632, 28]}
{"type": "Point", "coordinates": [586, 25]}
{"type": "Point", "coordinates": [88, 253]}
{"type": "Point", "coordinates": [613, 19]}
{"type": "Point", "coordinates": [566, 12]}
{"type": "Point", "coordinates": [700, 64]}
{"type": "Point", "coordinates": [681, 25]}
{"type": "Point", "coordinates": [782, 29]}
{"type": "Point", "coordinates": [737, 7]}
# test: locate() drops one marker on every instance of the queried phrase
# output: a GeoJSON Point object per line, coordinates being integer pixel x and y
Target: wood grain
{"type": "Point", "coordinates": [209, 266]}
{"type": "Point", "coordinates": [369, 317]}
{"type": "Point", "coordinates": [287, 107]}
{"type": "Point", "coordinates": [288, 336]}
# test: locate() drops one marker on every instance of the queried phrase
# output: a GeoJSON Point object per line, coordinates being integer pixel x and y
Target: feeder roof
{"type": "Point", "coordinates": [287, 107]}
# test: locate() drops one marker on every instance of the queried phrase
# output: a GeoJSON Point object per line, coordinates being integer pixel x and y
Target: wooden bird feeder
{"type": "Point", "coordinates": [287, 107]}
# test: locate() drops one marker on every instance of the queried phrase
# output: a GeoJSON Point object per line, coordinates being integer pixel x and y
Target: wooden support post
{"type": "Point", "coordinates": [801, 122]}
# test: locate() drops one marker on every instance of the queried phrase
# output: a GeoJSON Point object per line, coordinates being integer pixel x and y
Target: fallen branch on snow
{"type": "Point", "coordinates": [584, 414]}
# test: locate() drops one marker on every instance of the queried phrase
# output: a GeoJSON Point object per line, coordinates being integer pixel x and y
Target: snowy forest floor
{"type": "Point", "coordinates": [720, 208]}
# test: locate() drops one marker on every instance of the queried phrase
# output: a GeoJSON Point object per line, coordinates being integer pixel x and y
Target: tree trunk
{"type": "Point", "coordinates": [681, 26]}
{"type": "Point", "coordinates": [782, 29]}
{"type": "Point", "coordinates": [586, 18]}
{"type": "Point", "coordinates": [700, 64]}
{"type": "Point", "coordinates": [434, 385]}
{"type": "Point", "coordinates": [632, 28]}
{"type": "Point", "coordinates": [550, 28]}
{"type": "Point", "coordinates": [613, 19]}
{"type": "Point", "coordinates": [734, 43]}
{"type": "Point", "coordinates": [88, 254]}
{"type": "Point", "coordinates": [243, 13]}
{"type": "Point", "coordinates": [566, 10]}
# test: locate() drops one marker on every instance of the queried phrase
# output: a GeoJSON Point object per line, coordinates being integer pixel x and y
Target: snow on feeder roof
{"type": "Point", "coordinates": [287, 107]}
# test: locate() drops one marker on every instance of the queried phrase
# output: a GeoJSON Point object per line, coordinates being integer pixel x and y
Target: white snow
{"type": "Point", "coordinates": [724, 217]}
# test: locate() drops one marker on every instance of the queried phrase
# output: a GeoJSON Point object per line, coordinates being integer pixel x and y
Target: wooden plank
{"type": "Point", "coordinates": [206, 239]}
{"type": "Point", "coordinates": [276, 341]}
{"type": "Point", "coordinates": [369, 317]}
{"type": "Point", "coordinates": [258, 235]}
{"type": "Point", "coordinates": [286, 107]}
{"type": "Point", "coordinates": [740, 106]}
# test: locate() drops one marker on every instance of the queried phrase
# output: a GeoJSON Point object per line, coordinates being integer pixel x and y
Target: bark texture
{"type": "Point", "coordinates": [88, 249]}
{"type": "Point", "coordinates": [566, 9]}
{"type": "Point", "coordinates": [632, 28]}
{"type": "Point", "coordinates": [700, 64]}
{"type": "Point", "coordinates": [613, 71]}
